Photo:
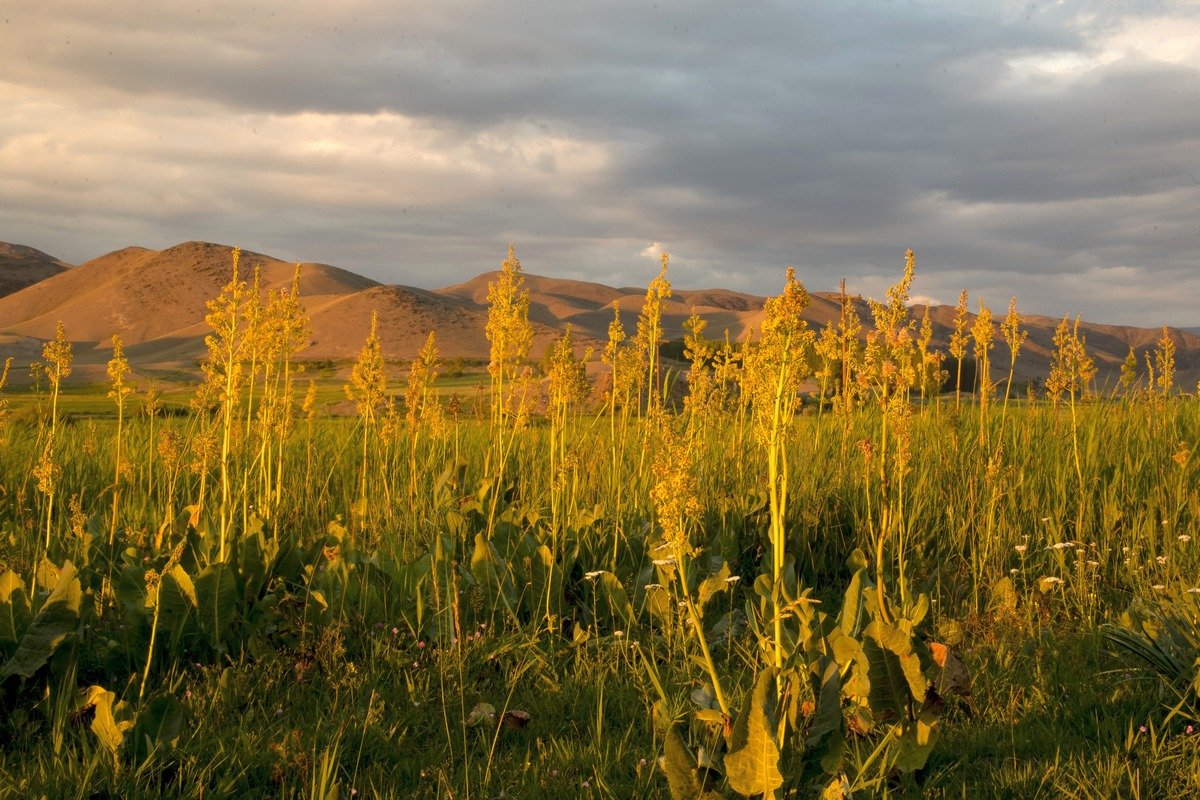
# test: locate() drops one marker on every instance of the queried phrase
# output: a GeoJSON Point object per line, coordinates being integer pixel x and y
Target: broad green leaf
{"type": "Point", "coordinates": [836, 789]}
{"type": "Point", "coordinates": [764, 587]}
{"type": "Point", "coordinates": [826, 736]}
{"type": "Point", "coordinates": [158, 726]}
{"type": "Point", "coordinates": [253, 560]}
{"type": "Point", "coordinates": [492, 573]}
{"type": "Point", "coordinates": [680, 768]}
{"type": "Point", "coordinates": [216, 600]}
{"type": "Point", "coordinates": [852, 606]}
{"type": "Point", "coordinates": [613, 599]}
{"type": "Point", "coordinates": [918, 612]}
{"type": "Point", "coordinates": [129, 585]}
{"type": "Point", "coordinates": [544, 592]}
{"type": "Point", "coordinates": [47, 574]}
{"type": "Point", "coordinates": [657, 601]}
{"type": "Point", "coordinates": [895, 670]}
{"type": "Point", "coordinates": [55, 621]}
{"type": "Point", "coordinates": [827, 715]}
{"type": "Point", "coordinates": [713, 585]}
{"type": "Point", "coordinates": [917, 738]}
{"type": "Point", "coordinates": [288, 563]}
{"type": "Point", "coordinates": [857, 560]}
{"type": "Point", "coordinates": [852, 659]}
{"type": "Point", "coordinates": [752, 765]}
{"type": "Point", "coordinates": [1004, 596]}
{"type": "Point", "coordinates": [14, 610]}
{"type": "Point", "coordinates": [448, 482]}
{"type": "Point", "coordinates": [176, 597]}
{"type": "Point", "coordinates": [112, 718]}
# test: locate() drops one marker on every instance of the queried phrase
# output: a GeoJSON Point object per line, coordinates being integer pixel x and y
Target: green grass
{"type": "Point", "coordinates": [292, 698]}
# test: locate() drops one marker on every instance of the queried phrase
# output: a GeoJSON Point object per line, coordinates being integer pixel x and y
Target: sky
{"type": "Point", "coordinates": [1046, 150]}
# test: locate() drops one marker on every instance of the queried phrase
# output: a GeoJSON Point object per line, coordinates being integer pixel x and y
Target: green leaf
{"type": "Point", "coordinates": [112, 718]}
{"type": "Point", "coordinates": [919, 611]}
{"type": "Point", "coordinates": [852, 606]}
{"type": "Point", "coordinates": [216, 599]}
{"type": "Point", "coordinates": [614, 599]}
{"type": "Point", "coordinates": [55, 622]}
{"type": "Point", "coordinates": [47, 574]}
{"type": "Point", "coordinates": [14, 610]}
{"type": "Point", "coordinates": [894, 670]}
{"type": "Point", "coordinates": [176, 597]}
{"type": "Point", "coordinates": [857, 560]}
{"type": "Point", "coordinates": [917, 738]}
{"type": "Point", "coordinates": [1004, 596]}
{"type": "Point", "coordinates": [836, 789]}
{"type": "Point", "coordinates": [129, 585]}
{"type": "Point", "coordinates": [826, 734]}
{"type": "Point", "coordinates": [752, 765]}
{"type": "Point", "coordinates": [158, 726]}
{"type": "Point", "coordinates": [253, 560]}
{"type": "Point", "coordinates": [680, 768]}
{"type": "Point", "coordinates": [849, 654]}
{"type": "Point", "coordinates": [492, 572]}
{"type": "Point", "coordinates": [545, 592]}
{"type": "Point", "coordinates": [713, 585]}
{"type": "Point", "coordinates": [656, 600]}
{"type": "Point", "coordinates": [827, 716]}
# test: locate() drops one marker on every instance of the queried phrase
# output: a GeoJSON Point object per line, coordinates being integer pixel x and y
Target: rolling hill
{"type": "Point", "coordinates": [156, 300]}
{"type": "Point", "coordinates": [22, 266]}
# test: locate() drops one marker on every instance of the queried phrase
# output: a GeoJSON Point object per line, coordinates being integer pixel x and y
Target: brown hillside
{"type": "Point", "coordinates": [147, 294]}
{"type": "Point", "coordinates": [156, 301]}
{"type": "Point", "coordinates": [22, 266]}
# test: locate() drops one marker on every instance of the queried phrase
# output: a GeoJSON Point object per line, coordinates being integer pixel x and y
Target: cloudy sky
{"type": "Point", "coordinates": [1049, 150]}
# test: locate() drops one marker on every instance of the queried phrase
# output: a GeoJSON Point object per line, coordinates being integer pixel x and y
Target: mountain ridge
{"type": "Point", "coordinates": [155, 299]}
{"type": "Point", "coordinates": [22, 266]}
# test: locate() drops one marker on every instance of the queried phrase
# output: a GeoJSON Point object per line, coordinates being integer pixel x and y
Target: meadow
{"type": "Point", "coordinates": [815, 564]}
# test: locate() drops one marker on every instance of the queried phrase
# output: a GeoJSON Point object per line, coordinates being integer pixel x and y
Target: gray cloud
{"type": "Point", "coordinates": [1047, 152]}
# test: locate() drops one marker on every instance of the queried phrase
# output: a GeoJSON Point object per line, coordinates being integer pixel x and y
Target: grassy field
{"type": "Point", "coordinates": [881, 591]}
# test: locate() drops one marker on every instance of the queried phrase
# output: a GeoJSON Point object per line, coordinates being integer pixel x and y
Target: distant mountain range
{"type": "Point", "coordinates": [156, 300]}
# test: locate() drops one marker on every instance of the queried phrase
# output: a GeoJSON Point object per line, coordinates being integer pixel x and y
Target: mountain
{"type": "Point", "coordinates": [146, 294]}
{"type": "Point", "coordinates": [22, 266]}
{"type": "Point", "coordinates": [156, 300]}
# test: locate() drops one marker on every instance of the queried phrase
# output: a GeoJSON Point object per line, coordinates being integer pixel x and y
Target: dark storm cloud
{"type": "Point", "coordinates": [1048, 152]}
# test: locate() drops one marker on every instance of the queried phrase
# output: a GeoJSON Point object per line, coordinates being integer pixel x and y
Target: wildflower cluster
{"type": "Point", "coordinates": [675, 492]}
{"type": "Point", "coordinates": [510, 334]}
{"type": "Point", "coordinates": [649, 331]}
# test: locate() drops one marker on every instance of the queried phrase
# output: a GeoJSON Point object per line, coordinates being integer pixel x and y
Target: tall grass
{"type": "Point", "coordinates": [745, 562]}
